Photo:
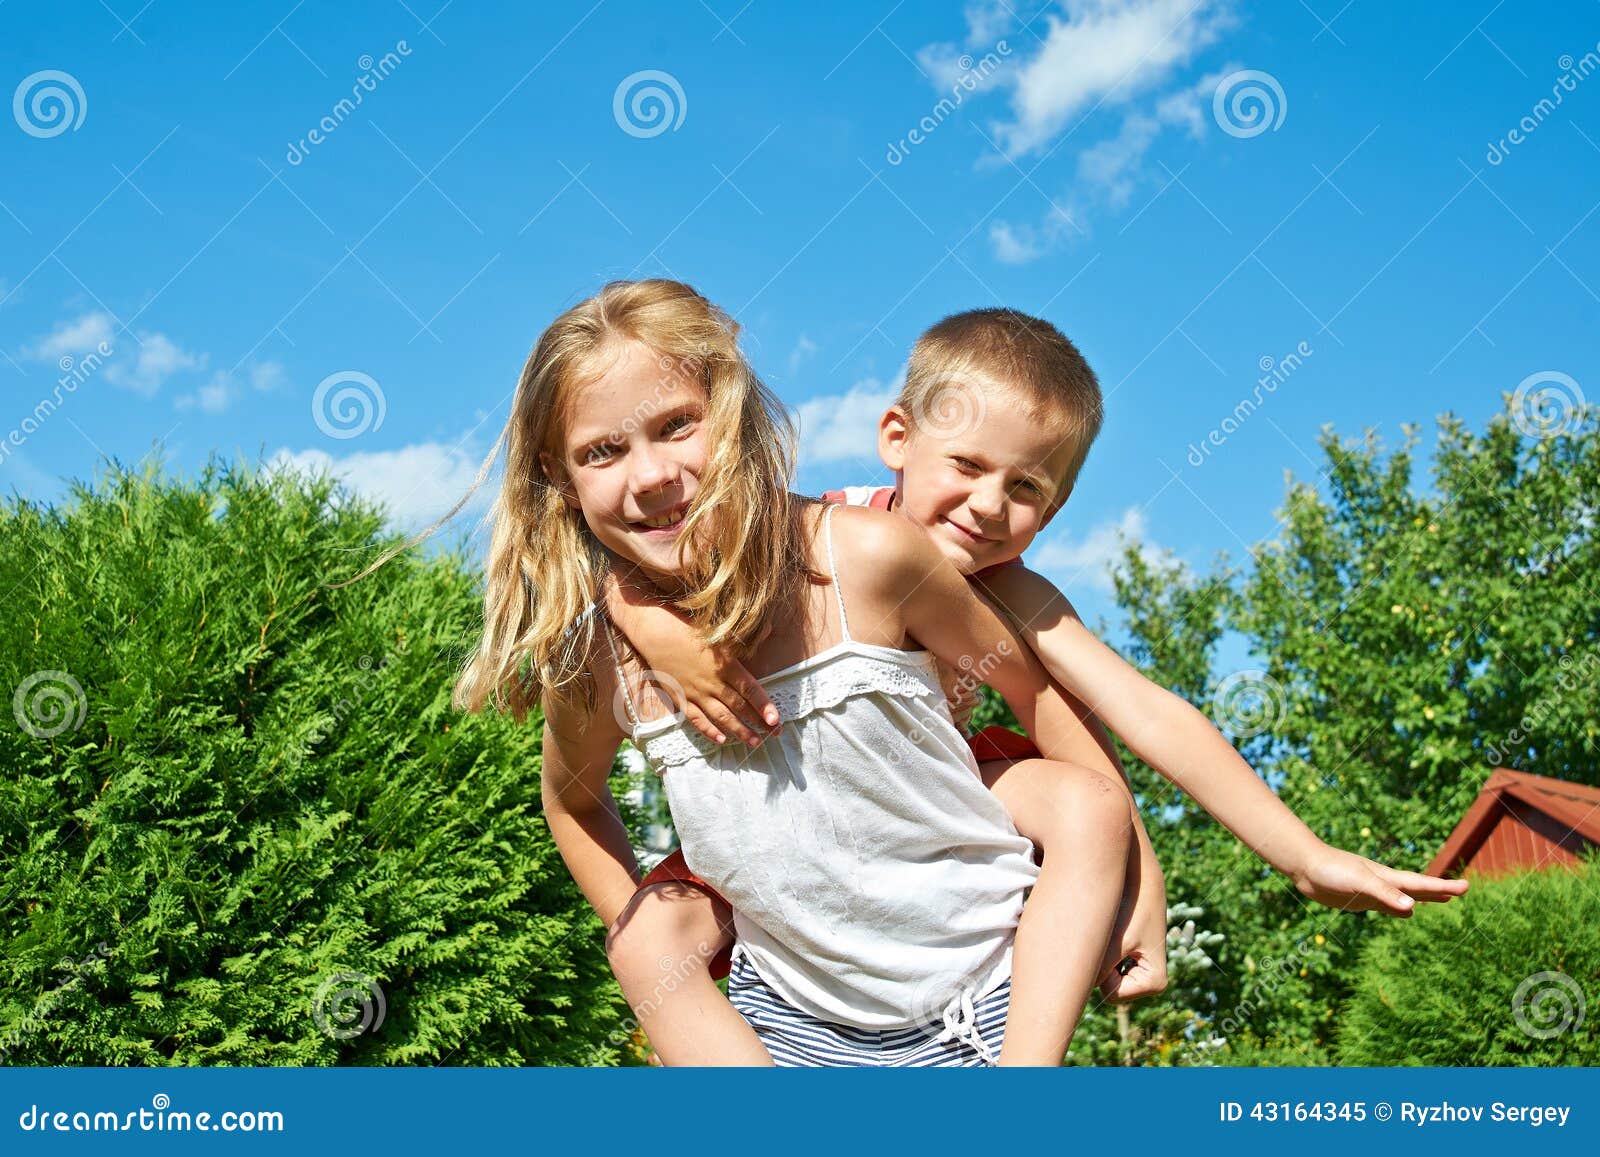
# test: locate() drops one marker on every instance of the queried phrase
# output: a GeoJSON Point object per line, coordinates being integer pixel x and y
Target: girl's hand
{"type": "Point", "coordinates": [1353, 883]}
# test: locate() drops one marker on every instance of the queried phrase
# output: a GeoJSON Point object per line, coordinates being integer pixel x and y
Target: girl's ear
{"type": "Point", "coordinates": [558, 478]}
{"type": "Point", "coordinates": [894, 430]}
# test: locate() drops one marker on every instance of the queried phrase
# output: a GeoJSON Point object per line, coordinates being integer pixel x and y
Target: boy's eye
{"type": "Point", "coordinates": [965, 464]}
{"type": "Point", "coordinates": [1033, 488]}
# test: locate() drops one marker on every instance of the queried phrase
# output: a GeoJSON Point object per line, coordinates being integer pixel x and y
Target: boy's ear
{"type": "Point", "coordinates": [558, 478]}
{"type": "Point", "coordinates": [1055, 507]}
{"type": "Point", "coordinates": [894, 430]}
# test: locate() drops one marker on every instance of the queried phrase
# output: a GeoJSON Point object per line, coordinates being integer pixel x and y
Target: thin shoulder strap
{"type": "Point", "coordinates": [622, 679]}
{"type": "Point", "coordinates": [833, 570]}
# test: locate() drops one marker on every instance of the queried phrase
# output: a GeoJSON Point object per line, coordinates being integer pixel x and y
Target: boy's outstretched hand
{"type": "Point", "coordinates": [1354, 883]}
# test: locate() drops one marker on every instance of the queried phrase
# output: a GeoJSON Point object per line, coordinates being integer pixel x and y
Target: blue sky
{"type": "Point", "coordinates": [1362, 201]}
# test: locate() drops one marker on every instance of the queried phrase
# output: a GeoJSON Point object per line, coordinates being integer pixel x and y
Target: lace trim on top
{"type": "Point", "coordinates": [830, 677]}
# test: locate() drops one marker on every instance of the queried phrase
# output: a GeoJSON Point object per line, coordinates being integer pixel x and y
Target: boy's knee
{"type": "Point", "coordinates": [1082, 796]}
{"type": "Point", "coordinates": [664, 927]}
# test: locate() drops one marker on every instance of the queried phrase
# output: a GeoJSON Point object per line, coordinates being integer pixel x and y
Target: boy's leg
{"type": "Point", "coordinates": [1067, 921]}
{"type": "Point", "coordinates": [660, 949]}
{"type": "Point", "coordinates": [1138, 938]}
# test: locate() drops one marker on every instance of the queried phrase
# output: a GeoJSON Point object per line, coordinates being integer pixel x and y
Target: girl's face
{"type": "Point", "coordinates": [633, 454]}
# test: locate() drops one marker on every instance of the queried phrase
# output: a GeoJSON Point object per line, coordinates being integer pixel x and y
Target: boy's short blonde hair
{"type": "Point", "coordinates": [1015, 351]}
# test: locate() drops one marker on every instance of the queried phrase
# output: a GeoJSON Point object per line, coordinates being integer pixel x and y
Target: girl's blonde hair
{"type": "Point", "coordinates": [545, 566]}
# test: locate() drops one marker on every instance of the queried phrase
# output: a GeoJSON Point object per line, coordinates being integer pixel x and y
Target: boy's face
{"type": "Point", "coordinates": [982, 483]}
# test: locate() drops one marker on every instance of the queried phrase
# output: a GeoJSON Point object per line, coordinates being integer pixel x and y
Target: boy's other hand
{"type": "Point", "coordinates": [1354, 883]}
{"type": "Point", "coordinates": [1136, 975]}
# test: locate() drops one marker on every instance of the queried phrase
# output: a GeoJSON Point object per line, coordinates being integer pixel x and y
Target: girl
{"type": "Point", "coordinates": [878, 885]}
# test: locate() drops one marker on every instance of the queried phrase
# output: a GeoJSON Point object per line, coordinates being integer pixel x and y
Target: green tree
{"type": "Point", "coordinates": [1408, 640]}
{"type": "Point", "coordinates": [239, 818]}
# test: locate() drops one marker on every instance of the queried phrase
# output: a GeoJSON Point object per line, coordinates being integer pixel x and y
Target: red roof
{"type": "Point", "coordinates": [1522, 821]}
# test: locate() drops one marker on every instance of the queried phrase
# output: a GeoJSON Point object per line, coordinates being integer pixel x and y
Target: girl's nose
{"type": "Point", "coordinates": [651, 470]}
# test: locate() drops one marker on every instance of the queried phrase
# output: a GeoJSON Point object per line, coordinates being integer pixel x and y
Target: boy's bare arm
{"type": "Point", "coordinates": [1182, 745]}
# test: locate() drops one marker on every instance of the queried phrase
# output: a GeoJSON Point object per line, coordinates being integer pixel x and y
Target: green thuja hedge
{"type": "Point", "coordinates": [239, 819]}
{"type": "Point", "coordinates": [1507, 975]}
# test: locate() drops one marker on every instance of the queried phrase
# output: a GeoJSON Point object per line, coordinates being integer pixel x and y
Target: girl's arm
{"type": "Point", "coordinates": [579, 748]}
{"type": "Point", "coordinates": [714, 691]}
{"type": "Point", "coordinates": [1181, 744]}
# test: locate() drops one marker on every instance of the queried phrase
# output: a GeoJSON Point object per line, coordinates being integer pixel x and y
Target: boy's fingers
{"type": "Point", "coordinates": [703, 725]}
{"type": "Point", "coordinates": [732, 724]}
{"type": "Point", "coordinates": [1427, 887]}
{"type": "Point", "coordinates": [756, 696]}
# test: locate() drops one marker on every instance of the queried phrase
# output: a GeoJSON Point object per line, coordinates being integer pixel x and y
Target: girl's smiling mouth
{"type": "Point", "coordinates": [663, 524]}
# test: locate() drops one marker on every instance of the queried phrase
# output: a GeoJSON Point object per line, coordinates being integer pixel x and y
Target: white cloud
{"type": "Point", "coordinates": [1104, 53]}
{"type": "Point", "coordinates": [803, 351]}
{"type": "Point", "coordinates": [143, 366]}
{"type": "Point", "coordinates": [155, 359]}
{"type": "Point", "coordinates": [417, 483]}
{"type": "Point", "coordinates": [223, 390]}
{"type": "Point", "coordinates": [1087, 561]}
{"type": "Point", "coordinates": [844, 427]}
{"type": "Point", "coordinates": [75, 338]}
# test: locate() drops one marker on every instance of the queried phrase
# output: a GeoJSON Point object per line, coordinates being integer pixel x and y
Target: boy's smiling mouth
{"type": "Point", "coordinates": [970, 536]}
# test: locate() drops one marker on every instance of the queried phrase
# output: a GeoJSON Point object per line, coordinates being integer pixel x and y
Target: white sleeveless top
{"type": "Point", "coordinates": [875, 881]}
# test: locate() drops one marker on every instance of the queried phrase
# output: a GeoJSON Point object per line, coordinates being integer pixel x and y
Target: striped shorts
{"type": "Point", "coordinates": [798, 1039]}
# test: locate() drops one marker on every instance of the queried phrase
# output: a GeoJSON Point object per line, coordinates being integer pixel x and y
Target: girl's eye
{"type": "Point", "coordinates": [600, 452]}
{"type": "Point", "coordinates": [680, 422]}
